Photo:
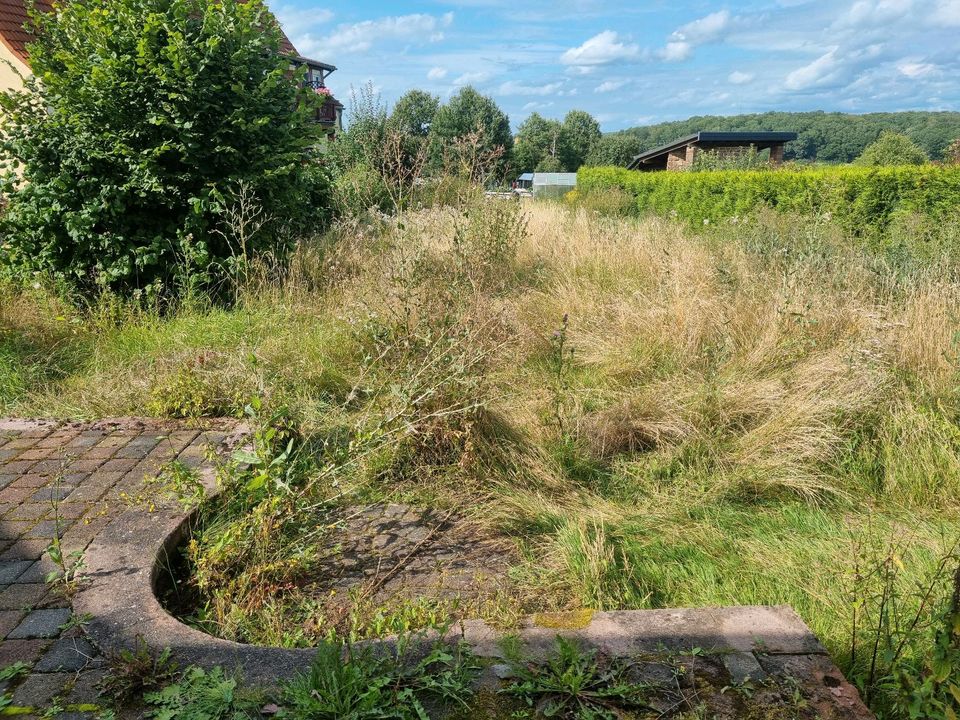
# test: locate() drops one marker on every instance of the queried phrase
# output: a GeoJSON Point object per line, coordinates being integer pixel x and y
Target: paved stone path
{"type": "Point", "coordinates": [396, 552]}
{"type": "Point", "coordinates": [70, 480]}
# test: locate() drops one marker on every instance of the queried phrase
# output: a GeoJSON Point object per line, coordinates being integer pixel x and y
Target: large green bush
{"type": "Point", "coordinates": [859, 198]}
{"type": "Point", "coordinates": [159, 139]}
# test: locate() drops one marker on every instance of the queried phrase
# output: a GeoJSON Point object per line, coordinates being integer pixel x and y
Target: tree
{"type": "Point", "coordinates": [582, 132]}
{"type": "Point", "coordinates": [471, 114]}
{"type": "Point", "coordinates": [550, 146]}
{"type": "Point", "coordinates": [414, 113]}
{"type": "Point", "coordinates": [614, 149]}
{"type": "Point", "coordinates": [146, 123]}
{"type": "Point", "coordinates": [892, 149]}
{"type": "Point", "coordinates": [538, 140]}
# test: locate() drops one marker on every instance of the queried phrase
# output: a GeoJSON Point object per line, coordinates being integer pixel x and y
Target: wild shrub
{"type": "Point", "coordinates": [905, 640]}
{"type": "Point", "coordinates": [138, 200]}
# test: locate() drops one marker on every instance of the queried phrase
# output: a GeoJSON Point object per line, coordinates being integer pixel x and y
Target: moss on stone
{"type": "Point", "coordinates": [571, 620]}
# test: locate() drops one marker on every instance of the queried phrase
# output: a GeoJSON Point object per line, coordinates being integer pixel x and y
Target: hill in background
{"type": "Point", "coordinates": [824, 137]}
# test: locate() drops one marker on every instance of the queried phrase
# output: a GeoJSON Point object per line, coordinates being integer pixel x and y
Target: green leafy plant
{"type": "Point", "coordinates": [348, 683]}
{"type": "Point", "coordinates": [929, 686]}
{"type": "Point", "coordinates": [132, 673]}
{"type": "Point", "coordinates": [202, 695]}
{"type": "Point", "coordinates": [576, 684]}
{"type": "Point", "coordinates": [17, 669]}
{"type": "Point", "coordinates": [140, 200]}
{"type": "Point", "coordinates": [905, 642]}
{"type": "Point", "coordinates": [180, 482]}
{"type": "Point", "coordinates": [859, 198]}
{"type": "Point", "coordinates": [70, 565]}
{"type": "Point", "coordinates": [892, 149]}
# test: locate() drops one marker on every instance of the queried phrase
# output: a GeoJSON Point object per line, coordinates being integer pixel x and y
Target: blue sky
{"type": "Point", "coordinates": [635, 62]}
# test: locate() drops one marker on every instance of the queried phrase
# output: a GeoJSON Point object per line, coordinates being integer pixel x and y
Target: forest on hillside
{"type": "Point", "coordinates": [823, 137]}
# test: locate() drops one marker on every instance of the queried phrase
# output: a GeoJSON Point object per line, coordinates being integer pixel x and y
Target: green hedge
{"type": "Point", "coordinates": [859, 198]}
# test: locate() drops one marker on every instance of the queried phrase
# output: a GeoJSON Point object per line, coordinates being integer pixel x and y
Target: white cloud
{"type": "Point", "coordinates": [740, 78]}
{"type": "Point", "coordinates": [512, 87]}
{"type": "Point", "coordinates": [607, 47]}
{"type": "Point", "coordinates": [474, 78]}
{"type": "Point", "coordinates": [437, 73]}
{"type": "Point", "coordinates": [675, 51]}
{"type": "Point", "coordinates": [704, 30]}
{"type": "Point", "coordinates": [866, 13]}
{"type": "Point", "coordinates": [609, 86]}
{"type": "Point", "coordinates": [816, 72]}
{"type": "Point", "coordinates": [947, 13]}
{"type": "Point", "coordinates": [362, 36]}
{"type": "Point", "coordinates": [916, 70]}
{"type": "Point", "coordinates": [537, 106]}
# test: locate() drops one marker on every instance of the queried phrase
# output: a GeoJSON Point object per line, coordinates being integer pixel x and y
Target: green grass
{"type": "Point", "coordinates": [764, 413]}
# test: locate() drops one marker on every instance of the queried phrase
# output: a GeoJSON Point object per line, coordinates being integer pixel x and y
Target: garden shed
{"type": "Point", "coordinates": [553, 185]}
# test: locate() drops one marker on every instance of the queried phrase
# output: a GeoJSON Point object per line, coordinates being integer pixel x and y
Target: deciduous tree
{"type": "Point", "coordinates": [144, 119]}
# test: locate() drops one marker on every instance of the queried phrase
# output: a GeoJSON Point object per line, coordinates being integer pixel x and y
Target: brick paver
{"type": "Point", "coordinates": [69, 480]}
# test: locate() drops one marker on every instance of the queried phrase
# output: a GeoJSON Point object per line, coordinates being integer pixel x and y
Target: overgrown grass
{"type": "Point", "coordinates": [653, 417]}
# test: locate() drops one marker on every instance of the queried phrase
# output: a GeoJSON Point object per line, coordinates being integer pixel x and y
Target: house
{"type": "Point", "coordinates": [681, 153]}
{"type": "Point", "coordinates": [13, 42]}
{"type": "Point", "coordinates": [15, 63]}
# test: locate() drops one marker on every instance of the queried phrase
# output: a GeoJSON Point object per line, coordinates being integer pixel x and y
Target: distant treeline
{"type": "Point", "coordinates": [823, 137]}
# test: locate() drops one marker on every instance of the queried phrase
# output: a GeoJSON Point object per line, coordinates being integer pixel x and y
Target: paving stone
{"type": "Point", "coordinates": [25, 550]}
{"type": "Point", "coordinates": [38, 570]}
{"type": "Point", "coordinates": [86, 691]}
{"type": "Point", "coordinates": [69, 655]}
{"type": "Point", "coordinates": [18, 597]}
{"type": "Point", "coordinates": [9, 619]}
{"type": "Point", "coordinates": [38, 690]}
{"type": "Point", "coordinates": [4, 478]}
{"type": "Point", "coordinates": [10, 571]}
{"type": "Point", "coordinates": [31, 510]}
{"type": "Point", "coordinates": [41, 624]}
{"type": "Point", "coordinates": [31, 480]}
{"type": "Point", "coordinates": [26, 651]}
{"type": "Point", "coordinates": [48, 467]}
{"type": "Point", "coordinates": [15, 495]}
{"type": "Point", "coordinates": [118, 465]}
{"type": "Point", "coordinates": [50, 493]}
{"type": "Point", "coordinates": [48, 528]}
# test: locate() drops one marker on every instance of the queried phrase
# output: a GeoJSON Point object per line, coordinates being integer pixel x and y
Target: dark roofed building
{"type": "Point", "coordinates": [681, 153]}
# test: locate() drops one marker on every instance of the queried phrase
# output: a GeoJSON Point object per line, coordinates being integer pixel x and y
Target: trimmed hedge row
{"type": "Point", "coordinates": [859, 198]}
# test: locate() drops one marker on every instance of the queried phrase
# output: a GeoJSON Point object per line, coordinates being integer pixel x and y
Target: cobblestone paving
{"type": "Point", "coordinates": [397, 552]}
{"type": "Point", "coordinates": [70, 480]}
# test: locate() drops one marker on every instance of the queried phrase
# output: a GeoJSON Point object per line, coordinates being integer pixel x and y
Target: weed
{"type": "Point", "coordinates": [132, 673]}
{"type": "Point", "coordinates": [577, 684]}
{"type": "Point", "coordinates": [179, 481]}
{"type": "Point", "coordinates": [350, 683]}
{"type": "Point", "coordinates": [202, 695]}
{"type": "Point", "coordinates": [14, 671]}
{"type": "Point", "coordinates": [70, 565]}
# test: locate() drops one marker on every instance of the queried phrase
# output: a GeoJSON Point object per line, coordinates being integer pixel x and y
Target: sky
{"type": "Point", "coordinates": [638, 62]}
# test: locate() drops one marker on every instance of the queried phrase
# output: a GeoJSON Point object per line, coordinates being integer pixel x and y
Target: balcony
{"type": "Point", "coordinates": [329, 112]}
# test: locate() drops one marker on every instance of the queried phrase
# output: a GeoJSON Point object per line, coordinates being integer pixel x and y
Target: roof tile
{"type": "Point", "coordinates": [13, 17]}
